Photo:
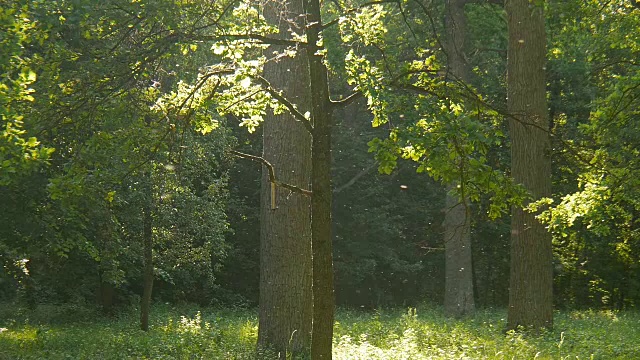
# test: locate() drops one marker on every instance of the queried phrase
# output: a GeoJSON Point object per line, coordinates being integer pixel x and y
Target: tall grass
{"type": "Point", "coordinates": [67, 332]}
{"type": "Point", "coordinates": [425, 333]}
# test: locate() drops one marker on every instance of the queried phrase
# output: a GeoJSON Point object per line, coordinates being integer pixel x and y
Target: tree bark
{"type": "Point", "coordinates": [458, 299]}
{"type": "Point", "coordinates": [285, 251]}
{"type": "Point", "coordinates": [530, 294]}
{"type": "Point", "coordinates": [147, 238]}
{"type": "Point", "coordinates": [322, 117]}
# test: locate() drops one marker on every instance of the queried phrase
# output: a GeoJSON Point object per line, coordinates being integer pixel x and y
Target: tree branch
{"type": "Point", "coordinates": [272, 173]}
{"type": "Point", "coordinates": [469, 94]}
{"type": "Point", "coordinates": [355, 178]}
{"type": "Point", "coordinates": [291, 107]}
{"type": "Point", "coordinates": [347, 100]}
{"type": "Point", "coordinates": [497, 2]}
{"type": "Point", "coordinates": [261, 38]}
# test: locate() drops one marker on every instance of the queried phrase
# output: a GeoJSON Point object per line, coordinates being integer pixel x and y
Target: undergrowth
{"type": "Point", "coordinates": [67, 332]}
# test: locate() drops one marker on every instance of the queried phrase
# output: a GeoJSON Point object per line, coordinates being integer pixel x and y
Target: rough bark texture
{"type": "Point", "coordinates": [458, 298]}
{"type": "Point", "coordinates": [285, 251]}
{"type": "Point", "coordinates": [322, 115]}
{"type": "Point", "coordinates": [147, 238]}
{"type": "Point", "coordinates": [530, 295]}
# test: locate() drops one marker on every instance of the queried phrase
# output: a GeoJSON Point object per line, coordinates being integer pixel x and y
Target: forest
{"type": "Point", "coordinates": [308, 179]}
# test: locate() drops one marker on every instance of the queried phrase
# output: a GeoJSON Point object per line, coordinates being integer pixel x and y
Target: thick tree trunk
{"type": "Point", "coordinates": [322, 116]}
{"type": "Point", "coordinates": [530, 295]}
{"type": "Point", "coordinates": [147, 238]}
{"type": "Point", "coordinates": [458, 298]}
{"type": "Point", "coordinates": [285, 257]}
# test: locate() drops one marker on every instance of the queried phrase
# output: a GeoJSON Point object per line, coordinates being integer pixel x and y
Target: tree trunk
{"type": "Point", "coordinates": [106, 292]}
{"type": "Point", "coordinates": [147, 238]}
{"type": "Point", "coordinates": [106, 289]}
{"type": "Point", "coordinates": [530, 294]}
{"type": "Point", "coordinates": [322, 116]}
{"type": "Point", "coordinates": [458, 298]}
{"type": "Point", "coordinates": [285, 251]}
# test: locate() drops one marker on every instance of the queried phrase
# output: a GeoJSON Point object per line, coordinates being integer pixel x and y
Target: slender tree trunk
{"type": "Point", "coordinates": [147, 238]}
{"type": "Point", "coordinates": [285, 251]}
{"type": "Point", "coordinates": [322, 116]}
{"type": "Point", "coordinates": [531, 283]}
{"type": "Point", "coordinates": [105, 297]}
{"type": "Point", "coordinates": [458, 299]}
{"type": "Point", "coordinates": [106, 289]}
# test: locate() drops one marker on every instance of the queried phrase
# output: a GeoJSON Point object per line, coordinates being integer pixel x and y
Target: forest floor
{"type": "Point", "coordinates": [73, 332]}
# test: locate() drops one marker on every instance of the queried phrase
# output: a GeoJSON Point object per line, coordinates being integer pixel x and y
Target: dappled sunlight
{"type": "Point", "coordinates": [413, 333]}
{"type": "Point", "coordinates": [424, 333]}
{"type": "Point", "coordinates": [598, 315]}
{"type": "Point", "coordinates": [173, 334]}
{"type": "Point", "coordinates": [22, 336]}
{"type": "Point", "coordinates": [227, 179]}
{"type": "Point", "coordinates": [248, 331]}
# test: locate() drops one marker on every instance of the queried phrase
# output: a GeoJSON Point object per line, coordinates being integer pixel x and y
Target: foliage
{"type": "Point", "coordinates": [435, 120]}
{"type": "Point", "coordinates": [106, 107]}
{"type": "Point", "coordinates": [594, 217]}
{"type": "Point", "coordinates": [20, 151]}
{"type": "Point", "coordinates": [231, 334]}
{"type": "Point", "coordinates": [386, 240]}
{"type": "Point", "coordinates": [76, 225]}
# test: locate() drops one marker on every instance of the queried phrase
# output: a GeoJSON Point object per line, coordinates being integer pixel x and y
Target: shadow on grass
{"type": "Point", "coordinates": [422, 333]}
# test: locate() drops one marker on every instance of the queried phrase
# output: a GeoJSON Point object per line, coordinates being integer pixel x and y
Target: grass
{"type": "Point", "coordinates": [67, 332]}
{"type": "Point", "coordinates": [426, 334]}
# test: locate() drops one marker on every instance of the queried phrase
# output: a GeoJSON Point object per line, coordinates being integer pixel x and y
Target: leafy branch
{"type": "Point", "coordinates": [283, 100]}
{"type": "Point", "coordinates": [354, 9]}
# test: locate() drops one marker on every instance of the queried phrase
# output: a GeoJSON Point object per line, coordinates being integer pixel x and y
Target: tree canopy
{"type": "Point", "coordinates": [124, 113]}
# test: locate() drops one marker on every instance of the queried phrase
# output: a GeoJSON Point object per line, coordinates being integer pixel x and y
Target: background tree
{"type": "Point", "coordinates": [593, 98]}
{"type": "Point", "coordinates": [451, 128]}
{"type": "Point", "coordinates": [90, 110]}
{"type": "Point", "coordinates": [459, 297]}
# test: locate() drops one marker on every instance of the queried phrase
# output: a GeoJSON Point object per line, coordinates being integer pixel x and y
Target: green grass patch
{"type": "Point", "coordinates": [424, 333]}
{"type": "Point", "coordinates": [63, 332]}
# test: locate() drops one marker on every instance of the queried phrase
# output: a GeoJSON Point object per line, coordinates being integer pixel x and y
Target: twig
{"type": "Point", "coordinates": [257, 37]}
{"type": "Point", "coordinates": [272, 173]}
{"type": "Point", "coordinates": [355, 178]}
{"type": "Point", "coordinates": [347, 100]}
